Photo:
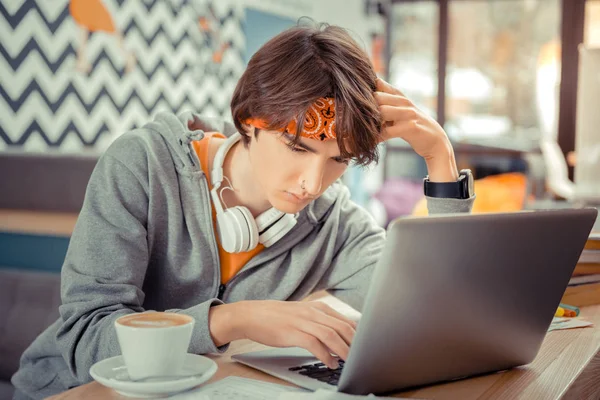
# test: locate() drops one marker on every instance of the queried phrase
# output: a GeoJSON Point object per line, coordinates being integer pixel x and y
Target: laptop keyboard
{"type": "Point", "coordinates": [321, 372]}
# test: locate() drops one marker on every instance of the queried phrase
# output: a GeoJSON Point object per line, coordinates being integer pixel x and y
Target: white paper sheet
{"type": "Point", "coordinates": [236, 388]}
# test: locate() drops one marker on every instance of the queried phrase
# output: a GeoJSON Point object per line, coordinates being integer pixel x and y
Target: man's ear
{"type": "Point", "coordinates": [250, 134]}
{"type": "Point", "coordinates": [247, 127]}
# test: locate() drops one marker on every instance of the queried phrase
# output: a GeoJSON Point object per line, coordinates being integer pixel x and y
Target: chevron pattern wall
{"type": "Point", "coordinates": [75, 74]}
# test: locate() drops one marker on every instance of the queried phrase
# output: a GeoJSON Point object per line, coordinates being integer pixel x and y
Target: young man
{"type": "Point", "coordinates": [146, 235]}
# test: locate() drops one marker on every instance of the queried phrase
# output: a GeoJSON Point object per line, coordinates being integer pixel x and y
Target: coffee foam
{"type": "Point", "coordinates": [154, 320]}
{"type": "Point", "coordinates": [137, 322]}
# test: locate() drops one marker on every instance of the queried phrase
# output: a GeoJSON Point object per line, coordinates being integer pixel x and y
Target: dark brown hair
{"type": "Point", "coordinates": [298, 66]}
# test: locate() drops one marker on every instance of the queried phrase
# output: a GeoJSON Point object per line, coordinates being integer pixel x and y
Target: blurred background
{"type": "Point", "coordinates": [515, 84]}
{"type": "Point", "coordinates": [501, 76]}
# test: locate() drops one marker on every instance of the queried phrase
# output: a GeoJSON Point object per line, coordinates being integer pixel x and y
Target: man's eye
{"type": "Point", "coordinates": [341, 160]}
{"type": "Point", "coordinates": [296, 149]}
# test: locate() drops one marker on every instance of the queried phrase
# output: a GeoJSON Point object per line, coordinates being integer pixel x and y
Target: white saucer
{"type": "Point", "coordinates": [113, 373]}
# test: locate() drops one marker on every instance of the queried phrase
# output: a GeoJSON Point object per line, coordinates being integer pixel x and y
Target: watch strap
{"type": "Point", "coordinates": [448, 190]}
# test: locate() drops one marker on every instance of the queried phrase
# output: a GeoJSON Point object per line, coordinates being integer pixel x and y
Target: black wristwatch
{"type": "Point", "coordinates": [463, 188]}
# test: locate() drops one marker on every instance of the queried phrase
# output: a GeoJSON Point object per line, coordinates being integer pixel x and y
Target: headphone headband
{"type": "Point", "coordinates": [217, 170]}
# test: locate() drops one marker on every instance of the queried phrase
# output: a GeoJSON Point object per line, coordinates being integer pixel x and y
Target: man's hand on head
{"type": "Point", "coordinates": [402, 119]}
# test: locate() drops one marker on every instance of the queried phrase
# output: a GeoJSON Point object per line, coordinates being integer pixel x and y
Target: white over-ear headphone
{"type": "Point", "coordinates": [238, 230]}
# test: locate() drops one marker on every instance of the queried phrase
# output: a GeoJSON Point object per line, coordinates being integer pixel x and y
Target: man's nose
{"type": "Point", "coordinates": [314, 179]}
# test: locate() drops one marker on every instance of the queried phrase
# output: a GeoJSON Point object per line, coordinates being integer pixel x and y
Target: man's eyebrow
{"type": "Point", "coordinates": [291, 138]}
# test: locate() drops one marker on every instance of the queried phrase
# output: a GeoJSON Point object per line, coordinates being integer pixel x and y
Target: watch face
{"type": "Point", "coordinates": [470, 181]}
{"type": "Point", "coordinates": [471, 186]}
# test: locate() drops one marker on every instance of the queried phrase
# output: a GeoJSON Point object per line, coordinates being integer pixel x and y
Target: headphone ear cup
{"type": "Point", "coordinates": [237, 230]}
{"type": "Point", "coordinates": [227, 227]}
{"type": "Point", "coordinates": [278, 230]}
{"type": "Point", "coordinates": [268, 218]}
{"type": "Point", "coordinates": [247, 228]}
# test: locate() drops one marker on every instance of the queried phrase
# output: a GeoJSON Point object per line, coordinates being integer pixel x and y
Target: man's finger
{"type": "Point", "coordinates": [384, 98]}
{"type": "Point", "coordinates": [333, 313]}
{"type": "Point", "coordinates": [317, 348]}
{"type": "Point", "coordinates": [344, 328]}
{"type": "Point", "coordinates": [329, 337]}
{"type": "Point", "coordinates": [383, 86]}
{"type": "Point", "coordinates": [398, 113]}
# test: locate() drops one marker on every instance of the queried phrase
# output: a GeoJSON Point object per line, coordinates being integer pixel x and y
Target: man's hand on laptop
{"type": "Point", "coordinates": [313, 325]}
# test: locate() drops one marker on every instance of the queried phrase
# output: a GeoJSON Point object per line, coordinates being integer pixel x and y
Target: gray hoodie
{"type": "Point", "coordinates": [144, 240]}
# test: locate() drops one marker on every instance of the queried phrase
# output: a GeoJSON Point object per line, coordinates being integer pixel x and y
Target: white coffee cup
{"type": "Point", "coordinates": [154, 344]}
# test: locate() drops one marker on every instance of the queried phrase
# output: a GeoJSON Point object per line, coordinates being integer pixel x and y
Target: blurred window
{"type": "Point", "coordinates": [503, 67]}
{"type": "Point", "coordinates": [592, 23]}
{"type": "Point", "coordinates": [414, 46]}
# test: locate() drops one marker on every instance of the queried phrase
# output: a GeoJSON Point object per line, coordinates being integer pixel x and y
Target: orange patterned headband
{"type": "Point", "coordinates": [319, 123]}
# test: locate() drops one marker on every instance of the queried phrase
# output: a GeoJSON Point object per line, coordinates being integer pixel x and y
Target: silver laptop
{"type": "Point", "coordinates": [452, 296]}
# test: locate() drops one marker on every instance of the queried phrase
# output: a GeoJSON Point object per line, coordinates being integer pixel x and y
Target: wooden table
{"type": "Point", "coordinates": [37, 222]}
{"type": "Point", "coordinates": [567, 366]}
